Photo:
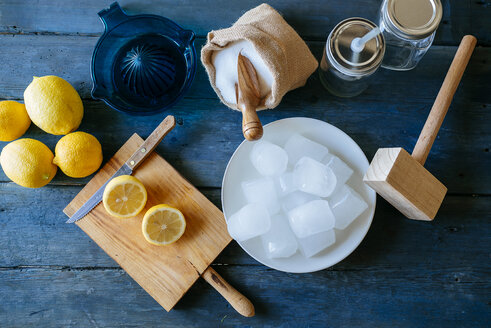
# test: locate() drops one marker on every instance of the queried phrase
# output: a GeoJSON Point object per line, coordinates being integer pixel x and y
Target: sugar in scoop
{"type": "Point", "coordinates": [225, 63]}
{"type": "Point", "coordinates": [281, 58]}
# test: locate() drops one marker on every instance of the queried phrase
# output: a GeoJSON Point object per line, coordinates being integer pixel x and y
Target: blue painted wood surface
{"type": "Point", "coordinates": [404, 274]}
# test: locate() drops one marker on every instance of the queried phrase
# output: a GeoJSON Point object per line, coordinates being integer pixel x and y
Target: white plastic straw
{"type": "Point", "coordinates": [358, 44]}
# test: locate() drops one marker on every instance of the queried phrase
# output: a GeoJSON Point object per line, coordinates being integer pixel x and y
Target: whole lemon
{"type": "Point", "coordinates": [53, 105]}
{"type": "Point", "coordinates": [14, 120]}
{"type": "Point", "coordinates": [78, 154]}
{"type": "Point", "coordinates": [28, 162]}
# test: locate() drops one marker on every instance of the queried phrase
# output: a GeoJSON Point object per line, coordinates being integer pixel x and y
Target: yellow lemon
{"type": "Point", "coordinates": [28, 163]}
{"type": "Point", "coordinates": [124, 196]}
{"type": "Point", "coordinates": [53, 105]}
{"type": "Point", "coordinates": [163, 225]}
{"type": "Point", "coordinates": [14, 120]}
{"type": "Point", "coordinates": [78, 154]}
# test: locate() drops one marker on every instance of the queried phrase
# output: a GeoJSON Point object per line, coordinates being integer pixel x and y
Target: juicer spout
{"type": "Point", "coordinates": [112, 16]}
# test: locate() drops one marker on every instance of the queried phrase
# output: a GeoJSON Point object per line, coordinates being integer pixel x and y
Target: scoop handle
{"type": "Point", "coordinates": [238, 301]}
{"type": "Point", "coordinates": [252, 129]}
{"type": "Point", "coordinates": [444, 99]}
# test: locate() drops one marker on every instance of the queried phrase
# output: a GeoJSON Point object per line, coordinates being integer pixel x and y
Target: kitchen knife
{"type": "Point", "coordinates": [131, 164]}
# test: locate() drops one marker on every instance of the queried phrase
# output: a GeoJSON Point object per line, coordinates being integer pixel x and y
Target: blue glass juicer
{"type": "Point", "coordinates": [142, 64]}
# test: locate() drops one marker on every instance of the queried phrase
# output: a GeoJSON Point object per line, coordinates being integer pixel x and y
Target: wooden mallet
{"type": "Point", "coordinates": [400, 178]}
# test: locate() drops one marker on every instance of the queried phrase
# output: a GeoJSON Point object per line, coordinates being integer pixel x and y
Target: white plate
{"type": "Point", "coordinates": [340, 144]}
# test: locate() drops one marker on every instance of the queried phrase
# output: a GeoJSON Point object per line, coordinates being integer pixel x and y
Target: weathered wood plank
{"type": "Point", "coordinates": [42, 234]}
{"type": "Point", "coordinates": [33, 232]}
{"type": "Point", "coordinates": [405, 273]}
{"type": "Point", "coordinates": [208, 133]}
{"type": "Point", "coordinates": [65, 56]}
{"type": "Point", "coordinates": [193, 149]}
{"type": "Point", "coordinates": [23, 56]}
{"type": "Point", "coordinates": [387, 297]}
{"type": "Point", "coordinates": [312, 19]}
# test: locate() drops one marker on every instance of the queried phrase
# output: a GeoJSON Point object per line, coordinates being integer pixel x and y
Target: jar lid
{"type": "Point", "coordinates": [343, 58]}
{"type": "Point", "coordinates": [413, 19]}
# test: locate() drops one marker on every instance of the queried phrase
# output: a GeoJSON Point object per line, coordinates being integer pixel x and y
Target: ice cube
{"type": "Point", "coordinates": [312, 245]}
{"type": "Point", "coordinates": [250, 221]}
{"type": "Point", "coordinates": [262, 191]}
{"type": "Point", "coordinates": [313, 177]}
{"type": "Point", "coordinates": [285, 184]}
{"type": "Point", "coordinates": [311, 218]}
{"type": "Point", "coordinates": [340, 169]}
{"type": "Point", "coordinates": [295, 199]}
{"type": "Point", "coordinates": [268, 159]}
{"type": "Point", "coordinates": [297, 146]}
{"type": "Point", "coordinates": [279, 241]}
{"type": "Point", "coordinates": [346, 206]}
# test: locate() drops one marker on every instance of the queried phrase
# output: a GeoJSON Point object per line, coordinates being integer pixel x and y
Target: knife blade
{"type": "Point", "coordinates": [129, 166]}
{"type": "Point", "coordinates": [96, 198]}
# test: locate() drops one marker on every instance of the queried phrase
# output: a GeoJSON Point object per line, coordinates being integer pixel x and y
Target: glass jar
{"type": "Point", "coordinates": [346, 73]}
{"type": "Point", "coordinates": [409, 28]}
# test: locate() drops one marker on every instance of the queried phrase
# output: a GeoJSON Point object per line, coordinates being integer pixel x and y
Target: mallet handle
{"type": "Point", "coordinates": [443, 99]}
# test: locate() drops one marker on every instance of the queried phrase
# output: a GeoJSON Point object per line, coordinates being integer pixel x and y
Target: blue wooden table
{"type": "Point", "coordinates": [404, 274]}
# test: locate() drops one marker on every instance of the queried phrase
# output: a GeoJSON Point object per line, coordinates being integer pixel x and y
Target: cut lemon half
{"type": "Point", "coordinates": [163, 225]}
{"type": "Point", "coordinates": [124, 196]}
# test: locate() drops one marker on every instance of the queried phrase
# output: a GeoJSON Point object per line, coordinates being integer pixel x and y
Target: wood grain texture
{"type": "Point", "coordinates": [201, 154]}
{"type": "Point", "coordinates": [150, 143]}
{"type": "Point", "coordinates": [405, 183]}
{"type": "Point", "coordinates": [248, 98]}
{"type": "Point", "coordinates": [238, 301]}
{"type": "Point", "coordinates": [384, 283]}
{"type": "Point", "coordinates": [405, 273]}
{"type": "Point", "coordinates": [310, 18]}
{"type": "Point", "coordinates": [166, 273]}
{"type": "Point", "coordinates": [394, 109]}
{"type": "Point", "coordinates": [367, 297]}
{"type": "Point", "coordinates": [444, 99]}
{"type": "Point", "coordinates": [48, 54]}
{"type": "Point", "coordinates": [401, 178]}
{"type": "Point", "coordinates": [462, 220]}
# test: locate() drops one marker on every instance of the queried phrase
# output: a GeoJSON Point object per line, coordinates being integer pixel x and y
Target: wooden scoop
{"type": "Point", "coordinates": [401, 178]}
{"type": "Point", "coordinates": [248, 98]}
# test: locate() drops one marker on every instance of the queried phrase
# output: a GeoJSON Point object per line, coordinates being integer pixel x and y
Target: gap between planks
{"type": "Point", "coordinates": [201, 38]}
{"type": "Point", "coordinates": [48, 267]}
{"type": "Point", "coordinates": [79, 185]}
{"type": "Point", "coordinates": [364, 269]}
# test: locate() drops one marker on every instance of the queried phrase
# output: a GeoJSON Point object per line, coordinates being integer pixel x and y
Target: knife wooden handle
{"type": "Point", "coordinates": [151, 142]}
{"type": "Point", "coordinates": [238, 301]}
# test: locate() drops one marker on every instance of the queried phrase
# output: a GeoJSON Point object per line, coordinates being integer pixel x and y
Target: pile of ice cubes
{"type": "Point", "coordinates": [300, 200]}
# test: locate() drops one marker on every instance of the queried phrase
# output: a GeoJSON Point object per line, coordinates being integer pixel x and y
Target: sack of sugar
{"type": "Point", "coordinates": [282, 60]}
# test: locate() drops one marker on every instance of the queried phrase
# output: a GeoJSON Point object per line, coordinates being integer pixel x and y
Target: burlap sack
{"type": "Point", "coordinates": [281, 48]}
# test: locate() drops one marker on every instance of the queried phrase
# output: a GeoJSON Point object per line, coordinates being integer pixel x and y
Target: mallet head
{"type": "Point", "coordinates": [405, 183]}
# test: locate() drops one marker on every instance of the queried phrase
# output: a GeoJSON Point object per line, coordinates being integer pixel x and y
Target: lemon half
{"type": "Point", "coordinates": [163, 225]}
{"type": "Point", "coordinates": [124, 196]}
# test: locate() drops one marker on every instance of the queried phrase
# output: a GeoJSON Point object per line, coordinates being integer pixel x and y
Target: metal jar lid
{"type": "Point", "coordinates": [345, 60]}
{"type": "Point", "coordinates": [413, 19]}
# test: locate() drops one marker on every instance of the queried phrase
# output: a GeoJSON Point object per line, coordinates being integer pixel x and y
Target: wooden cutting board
{"type": "Point", "coordinates": [165, 272]}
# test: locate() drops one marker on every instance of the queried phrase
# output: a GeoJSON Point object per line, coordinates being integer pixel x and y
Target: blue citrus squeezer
{"type": "Point", "coordinates": [142, 64]}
